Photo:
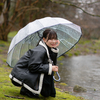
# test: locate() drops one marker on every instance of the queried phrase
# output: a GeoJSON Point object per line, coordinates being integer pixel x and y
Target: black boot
{"type": "Point", "coordinates": [26, 92]}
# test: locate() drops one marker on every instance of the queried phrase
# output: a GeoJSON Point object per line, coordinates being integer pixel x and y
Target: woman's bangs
{"type": "Point", "coordinates": [52, 36]}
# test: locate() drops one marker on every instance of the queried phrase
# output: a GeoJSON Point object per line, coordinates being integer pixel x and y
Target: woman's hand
{"type": "Point", "coordinates": [55, 68]}
{"type": "Point", "coordinates": [57, 43]}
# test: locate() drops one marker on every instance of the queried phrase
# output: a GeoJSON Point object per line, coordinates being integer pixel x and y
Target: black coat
{"type": "Point", "coordinates": [34, 70]}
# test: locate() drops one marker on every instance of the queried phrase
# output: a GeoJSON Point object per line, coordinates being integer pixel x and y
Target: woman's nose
{"type": "Point", "coordinates": [53, 40]}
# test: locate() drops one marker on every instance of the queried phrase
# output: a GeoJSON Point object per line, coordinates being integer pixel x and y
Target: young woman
{"type": "Point", "coordinates": [41, 65]}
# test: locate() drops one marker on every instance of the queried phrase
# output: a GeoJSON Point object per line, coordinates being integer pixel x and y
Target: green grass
{"type": "Point", "coordinates": [7, 88]}
{"type": "Point", "coordinates": [84, 47]}
{"type": "Point", "coordinates": [12, 34]}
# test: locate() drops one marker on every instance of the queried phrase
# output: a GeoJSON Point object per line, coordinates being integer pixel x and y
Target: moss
{"type": "Point", "coordinates": [61, 63]}
{"type": "Point", "coordinates": [64, 84]}
{"type": "Point", "coordinates": [79, 89]}
{"type": "Point", "coordinates": [4, 43]}
{"type": "Point", "coordinates": [67, 92]}
{"type": "Point", "coordinates": [84, 41]}
{"type": "Point", "coordinates": [60, 58]}
{"type": "Point", "coordinates": [95, 51]}
{"type": "Point", "coordinates": [94, 89]}
{"type": "Point", "coordinates": [87, 50]}
{"type": "Point", "coordinates": [66, 96]}
{"type": "Point", "coordinates": [69, 54]}
{"type": "Point", "coordinates": [8, 89]}
{"type": "Point", "coordinates": [4, 60]}
{"type": "Point", "coordinates": [12, 34]}
{"type": "Point", "coordinates": [84, 47]}
{"type": "Point", "coordinates": [1, 51]}
{"type": "Point", "coordinates": [76, 53]}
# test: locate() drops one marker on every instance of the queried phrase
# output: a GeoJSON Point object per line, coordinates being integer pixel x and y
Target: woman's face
{"type": "Point", "coordinates": [51, 42]}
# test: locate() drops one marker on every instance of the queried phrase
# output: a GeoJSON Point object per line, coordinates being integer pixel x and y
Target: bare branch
{"type": "Point", "coordinates": [27, 7]}
{"type": "Point", "coordinates": [88, 3]}
{"type": "Point", "coordinates": [70, 4]}
{"type": "Point", "coordinates": [13, 97]}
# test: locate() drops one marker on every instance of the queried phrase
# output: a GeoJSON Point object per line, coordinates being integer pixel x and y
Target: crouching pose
{"type": "Point", "coordinates": [37, 66]}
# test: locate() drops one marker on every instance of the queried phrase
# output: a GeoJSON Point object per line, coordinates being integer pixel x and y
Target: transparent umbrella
{"type": "Point", "coordinates": [28, 37]}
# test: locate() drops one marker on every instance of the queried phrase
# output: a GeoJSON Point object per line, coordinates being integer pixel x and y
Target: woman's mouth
{"type": "Point", "coordinates": [53, 44]}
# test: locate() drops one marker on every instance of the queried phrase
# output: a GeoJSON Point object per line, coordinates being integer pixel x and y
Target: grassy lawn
{"type": "Point", "coordinates": [84, 47]}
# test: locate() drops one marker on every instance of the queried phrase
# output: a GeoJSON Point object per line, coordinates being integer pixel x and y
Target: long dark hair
{"type": "Point", "coordinates": [49, 34]}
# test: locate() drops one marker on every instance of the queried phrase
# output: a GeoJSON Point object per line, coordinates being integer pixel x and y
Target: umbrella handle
{"type": "Point", "coordinates": [58, 77]}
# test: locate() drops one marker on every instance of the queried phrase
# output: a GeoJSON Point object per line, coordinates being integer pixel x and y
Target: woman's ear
{"type": "Point", "coordinates": [44, 39]}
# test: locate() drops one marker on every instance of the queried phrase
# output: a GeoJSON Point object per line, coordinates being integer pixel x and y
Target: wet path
{"type": "Point", "coordinates": [83, 71]}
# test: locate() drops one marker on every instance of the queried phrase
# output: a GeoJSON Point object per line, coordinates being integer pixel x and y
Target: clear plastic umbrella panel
{"type": "Point", "coordinates": [28, 37]}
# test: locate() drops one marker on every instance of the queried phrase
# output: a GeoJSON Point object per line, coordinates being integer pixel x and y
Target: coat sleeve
{"type": "Point", "coordinates": [54, 55]}
{"type": "Point", "coordinates": [36, 63]}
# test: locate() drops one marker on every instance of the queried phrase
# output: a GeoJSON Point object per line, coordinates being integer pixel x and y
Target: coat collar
{"type": "Point", "coordinates": [44, 45]}
{"type": "Point", "coordinates": [55, 50]}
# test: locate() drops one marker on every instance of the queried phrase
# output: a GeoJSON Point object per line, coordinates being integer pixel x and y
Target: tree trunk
{"type": "Point", "coordinates": [3, 36]}
{"type": "Point", "coordinates": [4, 23]}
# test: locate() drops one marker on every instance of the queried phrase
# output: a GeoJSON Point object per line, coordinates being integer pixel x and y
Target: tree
{"type": "Point", "coordinates": [4, 9]}
{"type": "Point", "coordinates": [81, 4]}
{"type": "Point", "coordinates": [18, 11]}
{"type": "Point", "coordinates": [84, 13]}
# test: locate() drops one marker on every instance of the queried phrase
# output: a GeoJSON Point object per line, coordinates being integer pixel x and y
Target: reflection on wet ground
{"type": "Point", "coordinates": [83, 71]}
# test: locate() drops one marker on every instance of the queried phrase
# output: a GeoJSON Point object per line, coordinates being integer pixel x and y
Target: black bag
{"type": "Point", "coordinates": [20, 73]}
{"type": "Point", "coordinates": [21, 76]}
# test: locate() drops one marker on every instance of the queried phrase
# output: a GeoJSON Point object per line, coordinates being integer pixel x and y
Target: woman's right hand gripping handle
{"type": "Point", "coordinates": [55, 68]}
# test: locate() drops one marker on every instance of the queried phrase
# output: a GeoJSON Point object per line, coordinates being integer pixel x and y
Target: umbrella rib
{"type": "Point", "coordinates": [66, 41]}
{"type": "Point", "coordinates": [20, 49]}
{"type": "Point", "coordinates": [12, 55]}
{"type": "Point", "coordinates": [70, 35]}
{"type": "Point", "coordinates": [59, 29]}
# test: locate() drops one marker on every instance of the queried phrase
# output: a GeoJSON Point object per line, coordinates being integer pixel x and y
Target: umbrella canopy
{"type": "Point", "coordinates": [27, 38]}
